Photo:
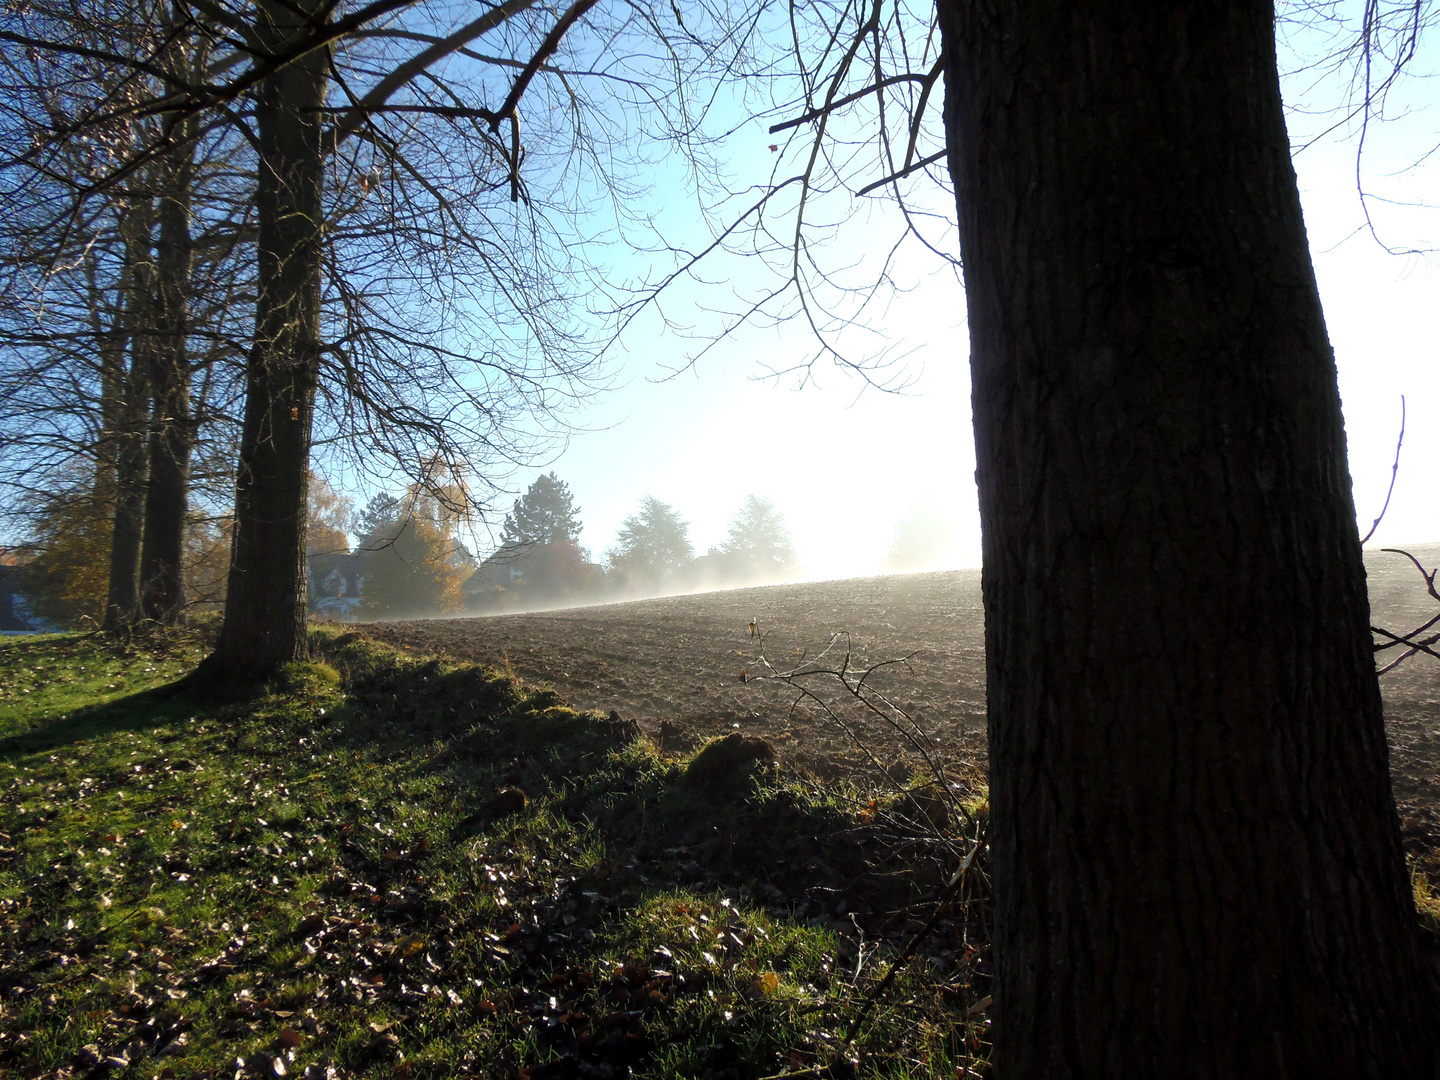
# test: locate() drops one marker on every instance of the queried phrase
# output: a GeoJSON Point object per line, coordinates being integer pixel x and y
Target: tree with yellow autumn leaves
{"type": "Point", "coordinates": [412, 561]}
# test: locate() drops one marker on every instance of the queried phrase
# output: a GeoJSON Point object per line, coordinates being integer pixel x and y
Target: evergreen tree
{"type": "Point", "coordinates": [652, 544]}
{"type": "Point", "coordinates": [545, 514]}
{"type": "Point", "coordinates": [380, 513]}
{"type": "Point", "coordinates": [540, 541]}
{"type": "Point", "coordinates": [758, 544]}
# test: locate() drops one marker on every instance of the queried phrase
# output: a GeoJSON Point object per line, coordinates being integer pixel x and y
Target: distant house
{"type": "Point", "coordinates": [334, 582]}
{"type": "Point", "coordinates": [535, 573]}
{"type": "Point", "coordinates": [505, 566]}
{"type": "Point", "coordinates": [494, 578]}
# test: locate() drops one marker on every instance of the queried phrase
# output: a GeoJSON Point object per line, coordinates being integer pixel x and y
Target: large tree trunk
{"type": "Point", "coordinates": [126, 418]}
{"type": "Point", "coordinates": [1197, 866]}
{"type": "Point", "coordinates": [264, 624]}
{"type": "Point", "coordinates": [172, 433]}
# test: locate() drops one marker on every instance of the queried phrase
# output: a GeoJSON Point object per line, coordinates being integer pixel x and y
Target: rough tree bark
{"type": "Point", "coordinates": [126, 417]}
{"type": "Point", "coordinates": [264, 625]}
{"type": "Point", "coordinates": [1197, 865]}
{"type": "Point", "coordinates": [172, 432]}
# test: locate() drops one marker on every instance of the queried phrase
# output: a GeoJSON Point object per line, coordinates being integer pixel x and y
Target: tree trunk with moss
{"type": "Point", "coordinates": [1197, 864]}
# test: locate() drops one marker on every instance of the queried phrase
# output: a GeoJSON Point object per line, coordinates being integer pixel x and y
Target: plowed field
{"type": "Point", "coordinates": [692, 663]}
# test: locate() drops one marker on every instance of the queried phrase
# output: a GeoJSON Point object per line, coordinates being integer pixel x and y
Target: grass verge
{"type": "Point", "coordinates": [380, 866]}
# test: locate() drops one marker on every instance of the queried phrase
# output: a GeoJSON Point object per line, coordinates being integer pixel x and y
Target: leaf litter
{"type": "Point", "coordinates": [318, 882]}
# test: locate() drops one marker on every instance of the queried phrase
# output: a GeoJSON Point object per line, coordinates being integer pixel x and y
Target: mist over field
{"type": "Point", "coordinates": [691, 661]}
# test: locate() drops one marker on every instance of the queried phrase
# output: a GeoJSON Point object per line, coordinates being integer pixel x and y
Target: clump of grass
{"type": "Point", "coordinates": [315, 880]}
{"type": "Point", "coordinates": [1427, 903]}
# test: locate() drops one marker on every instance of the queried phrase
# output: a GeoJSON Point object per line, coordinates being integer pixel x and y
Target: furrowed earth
{"type": "Point", "coordinates": [386, 865]}
{"type": "Point", "coordinates": [690, 667]}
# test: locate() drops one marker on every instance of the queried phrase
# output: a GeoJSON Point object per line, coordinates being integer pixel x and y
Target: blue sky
{"type": "Point", "coordinates": [845, 464]}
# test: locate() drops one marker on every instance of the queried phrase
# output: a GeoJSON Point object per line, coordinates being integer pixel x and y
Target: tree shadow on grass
{"type": "Point", "coordinates": [155, 707]}
{"type": "Point", "coordinates": [745, 827]}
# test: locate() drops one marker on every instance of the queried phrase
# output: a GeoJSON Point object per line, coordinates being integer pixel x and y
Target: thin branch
{"type": "Point", "coordinates": [922, 163]}
{"type": "Point", "coordinates": [400, 76]}
{"type": "Point", "coordinates": [833, 106]}
{"type": "Point", "coordinates": [1394, 472]}
{"type": "Point", "coordinates": [544, 52]}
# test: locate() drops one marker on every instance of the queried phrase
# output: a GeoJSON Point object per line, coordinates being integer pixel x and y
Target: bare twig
{"type": "Point", "coordinates": [1394, 472]}
{"type": "Point", "coordinates": [955, 884]}
{"type": "Point", "coordinates": [1409, 639]}
{"type": "Point", "coordinates": [835, 664]}
{"type": "Point", "coordinates": [856, 685]}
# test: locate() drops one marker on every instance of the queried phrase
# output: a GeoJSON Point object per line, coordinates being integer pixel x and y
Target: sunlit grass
{"type": "Point", "coordinates": [315, 880]}
{"type": "Point", "coordinates": [1427, 902]}
{"type": "Point", "coordinates": [49, 677]}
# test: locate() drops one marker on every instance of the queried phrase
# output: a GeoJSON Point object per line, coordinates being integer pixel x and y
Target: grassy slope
{"type": "Point", "coordinates": [316, 880]}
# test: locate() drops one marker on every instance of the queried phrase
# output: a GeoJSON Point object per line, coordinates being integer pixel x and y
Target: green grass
{"type": "Point", "coordinates": [313, 879]}
{"type": "Point", "coordinates": [56, 682]}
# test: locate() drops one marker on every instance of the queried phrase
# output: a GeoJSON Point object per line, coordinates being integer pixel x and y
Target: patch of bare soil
{"type": "Point", "coordinates": [692, 664]}
{"type": "Point", "coordinates": [1399, 603]}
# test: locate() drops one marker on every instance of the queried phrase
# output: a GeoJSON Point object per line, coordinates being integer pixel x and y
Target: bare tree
{"type": "Point", "coordinates": [362, 94]}
{"type": "Point", "coordinates": [101, 348]}
{"type": "Point", "coordinates": [1164, 501]}
{"type": "Point", "coordinates": [1196, 860]}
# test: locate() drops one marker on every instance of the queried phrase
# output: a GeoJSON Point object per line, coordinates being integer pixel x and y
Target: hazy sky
{"type": "Point", "coordinates": [845, 464]}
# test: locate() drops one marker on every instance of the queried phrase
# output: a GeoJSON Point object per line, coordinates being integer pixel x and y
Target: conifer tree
{"type": "Point", "coordinates": [758, 545]}
{"type": "Point", "coordinates": [652, 544]}
{"type": "Point", "coordinates": [545, 514]}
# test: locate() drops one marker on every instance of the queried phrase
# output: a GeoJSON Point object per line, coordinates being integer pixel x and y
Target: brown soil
{"type": "Point", "coordinates": [691, 663]}
{"type": "Point", "coordinates": [1399, 603]}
